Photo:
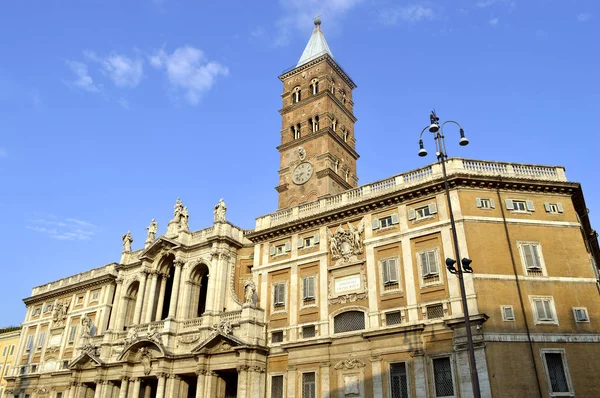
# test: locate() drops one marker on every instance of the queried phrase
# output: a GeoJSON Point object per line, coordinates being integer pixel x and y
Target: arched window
{"type": "Point", "coordinates": [198, 285]}
{"type": "Point", "coordinates": [349, 321]}
{"type": "Point", "coordinates": [296, 131]}
{"type": "Point", "coordinates": [345, 136]}
{"type": "Point", "coordinates": [334, 124]}
{"type": "Point", "coordinates": [167, 267]}
{"type": "Point", "coordinates": [314, 86]}
{"type": "Point", "coordinates": [314, 122]}
{"type": "Point", "coordinates": [296, 95]}
{"type": "Point", "coordinates": [129, 301]}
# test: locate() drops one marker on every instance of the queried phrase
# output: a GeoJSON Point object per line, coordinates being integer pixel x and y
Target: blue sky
{"type": "Point", "coordinates": [110, 110]}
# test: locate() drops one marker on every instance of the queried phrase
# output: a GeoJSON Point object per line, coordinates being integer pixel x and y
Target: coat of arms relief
{"type": "Point", "coordinates": [346, 243]}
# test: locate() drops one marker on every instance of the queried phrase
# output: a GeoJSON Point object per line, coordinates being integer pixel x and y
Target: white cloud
{"type": "Point", "coordinates": [67, 229]}
{"type": "Point", "coordinates": [411, 14]}
{"type": "Point", "coordinates": [188, 69]}
{"type": "Point", "coordinates": [84, 80]}
{"type": "Point", "coordinates": [299, 14]}
{"type": "Point", "coordinates": [583, 17]}
{"type": "Point", "coordinates": [489, 3]}
{"type": "Point", "coordinates": [494, 21]}
{"type": "Point", "coordinates": [124, 71]}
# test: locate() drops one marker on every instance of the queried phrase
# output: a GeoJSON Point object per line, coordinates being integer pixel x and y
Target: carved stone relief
{"type": "Point", "coordinates": [346, 243]}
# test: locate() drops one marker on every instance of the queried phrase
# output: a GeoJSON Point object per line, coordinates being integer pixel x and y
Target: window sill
{"type": "Point", "coordinates": [550, 323]}
{"type": "Point", "coordinates": [386, 228]}
{"type": "Point", "coordinates": [524, 212]}
{"type": "Point", "coordinates": [423, 219]}
{"type": "Point", "coordinates": [395, 292]}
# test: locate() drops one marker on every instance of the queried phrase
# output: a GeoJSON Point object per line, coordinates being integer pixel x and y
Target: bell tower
{"type": "Point", "coordinates": [317, 151]}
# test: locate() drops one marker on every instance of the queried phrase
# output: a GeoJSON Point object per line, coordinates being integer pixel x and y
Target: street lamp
{"type": "Point", "coordinates": [440, 146]}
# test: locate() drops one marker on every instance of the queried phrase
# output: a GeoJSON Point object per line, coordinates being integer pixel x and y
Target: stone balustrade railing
{"type": "Point", "coordinates": [81, 277]}
{"type": "Point", "coordinates": [401, 181]}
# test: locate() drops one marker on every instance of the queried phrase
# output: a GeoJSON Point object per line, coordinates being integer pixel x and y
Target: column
{"type": "Point", "coordinates": [161, 297]}
{"type": "Point", "coordinates": [136, 388]}
{"type": "Point", "coordinates": [120, 321]}
{"type": "Point", "coordinates": [98, 391]}
{"type": "Point", "coordinates": [160, 390]}
{"type": "Point", "coordinates": [175, 292]}
{"type": "Point", "coordinates": [124, 385]}
{"type": "Point", "coordinates": [242, 385]}
{"type": "Point", "coordinates": [114, 314]}
{"type": "Point", "coordinates": [146, 297]}
{"type": "Point", "coordinates": [223, 277]}
{"type": "Point", "coordinates": [377, 379]}
{"type": "Point", "coordinates": [140, 297]}
{"type": "Point", "coordinates": [108, 389]}
{"type": "Point", "coordinates": [172, 387]}
{"type": "Point", "coordinates": [147, 391]}
{"type": "Point", "coordinates": [151, 297]}
{"type": "Point", "coordinates": [81, 390]}
{"type": "Point", "coordinates": [73, 390]}
{"type": "Point", "coordinates": [185, 312]}
{"type": "Point", "coordinates": [325, 386]}
{"type": "Point", "coordinates": [211, 299]}
{"type": "Point", "coordinates": [201, 383]}
{"type": "Point", "coordinates": [291, 382]}
{"type": "Point", "coordinates": [211, 384]}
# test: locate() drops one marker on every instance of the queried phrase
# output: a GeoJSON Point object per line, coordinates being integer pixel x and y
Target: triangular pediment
{"type": "Point", "coordinates": [161, 244]}
{"type": "Point", "coordinates": [85, 360]}
{"type": "Point", "coordinates": [218, 342]}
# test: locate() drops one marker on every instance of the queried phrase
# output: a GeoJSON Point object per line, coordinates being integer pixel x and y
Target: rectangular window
{"type": "Point", "coordinates": [72, 333]}
{"type": "Point", "coordinates": [543, 308]}
{"type": "Point", "coordinates": [389, 269]}
{"type": "Point", "coordinates": [423, 212]}
{"type": "Point", "coordinates": [80, 299]}
{"type": "Point", "coordinates": [279, 295]}
{"type": "Point", "coordinates": [581, 314]}
{"type": "Point", "coordinates": [398, 380]}
{"type": "Point", "coordinates": [308, 331]}
{"type": "Point", "coordinates": [308, 290]}
{"type": "Point", "coordinates": [277, 386]}
{"type": "Point", "coordinates": [442, 374]}
{"type": "Point", "coordinates": [29, 344]}
{"type": "Point", "coordinates": [309, 388]}
{"type": "Point", "coordinates": [430, 270]}
{"type": "Point", "coordinates": [34, 368]}
{"type": "Point", "coordinates": [277, 337]}
{"type": "Point", "coordinates": [385, 222]}
{"type": "Point", "coordinates": [59, 395]}
{"type": "Point", "coordinates": [435, 311]}
{"type": "Point", "coordinates": [393, 318]}
{"type": "Point", "coordinates": [554, 208]}
{"type": "Point", "coordinates": [556, 372]}
{"type": "Point", "coordinates": [520, 205]}
{"type": "Point", "coordinates": [41, 338]}
{"type": "Point", "coordinates": [4, 350]}
{"type": "Point", "coordinates": [95, 296]}
{"type": "Point", "coordinates": [12, 350]}
{"type": "Point", "coordinates": [48, 308]}
{"type": "Point", "coordinates": [530, 254]}
{"type": "Point", "coordinates": [485, 203]}
{"type": "Point", "coordinates": [6, 370]}
{"type": "Point", "coordinates": [508, 313]}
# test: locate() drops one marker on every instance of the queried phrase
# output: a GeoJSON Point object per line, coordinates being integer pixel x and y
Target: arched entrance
{"type": "Point", "coordinates": [198, 290]}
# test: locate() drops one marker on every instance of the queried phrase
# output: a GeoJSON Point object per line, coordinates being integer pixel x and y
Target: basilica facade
{"type": "Point", "coordinates": [341, 292]}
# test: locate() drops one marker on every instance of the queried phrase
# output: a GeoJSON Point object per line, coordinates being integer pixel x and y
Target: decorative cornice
{"type": "Point", "coordinates": [323, 131]}
{"type": "Point", "coordinates": [334, 176]}
{"type": "Point", "coordinates": [315, 61]}
{"type": "Point", "coordinates": [63, 290]}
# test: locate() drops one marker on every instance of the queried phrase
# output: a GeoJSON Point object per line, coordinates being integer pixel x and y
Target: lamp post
{"type": "Point", "coordinates": [440, 145]}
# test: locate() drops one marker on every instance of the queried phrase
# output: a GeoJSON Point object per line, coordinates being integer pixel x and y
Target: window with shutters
{"type": "Point", "coordinates": [309, 387]}
{"type": "Point", "coordinates": [531, 258]}
{"type": "Point", "coordinates": [557, 373]}
{"type": "Point", "coordinates": [277, 337]}
{"type": "Point", "coordinates": [544, 311]}
{"type": "Point", "coordinates": [279, 299]}
{"type": "Point", "coordinates": [279, 250]}
{"type": "Point", "coordinates": [390, 275]}
{"type": "Point", "coordinates": [41, 338]}
{"type": "Point", "coordinates": [385, 222]}
{"type": "Point", "coordinates": [72, 333]}
{"type": "Point", "coordinates": [553, 208]}
{"type": "Point", "coordinates": [349, 321]}
{"type": "Point", "coordinates": [442, 377]}
{"type": "Point", "coordinates": [29, 344]}
{"type": "Point", "coordinates": [277, 386]}
{"type": "Point", "coordinates": [581, 314]}
{"type": "Point", "coordinates": [518, 205]}
{"type": "Point", "coordinates": [309, 331]}
{"type": "Point", "coordinates": [508, 313]}
{"type": "Point", "coordinates": [421, 213]}
{"type": "Point", "coordinates": [309, 295]}
{"type": "Point", "coordinates": [48, 308]}
{"type": "Point", "coordinates": [393, 318]}
{"type": "Point", "coordinates": [485, 203]}
{"type": "Point", "coordinates": [308, 242]}
{"type": "Point", "coordinates": [429, 267]}
{"type": "Point", "coordinates": [398, 380]}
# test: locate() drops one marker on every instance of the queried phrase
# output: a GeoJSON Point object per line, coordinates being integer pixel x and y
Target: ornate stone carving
{"type": "Point", "coordinates": [127, 240]}
{"type": "Point", "coordinates": [145, 358]}
{"type": "Point", "coordinates": [132, 335]}
{"type": "Point", "coordinates": [189, 339]}
{"type": "Point", "coordinates": [249, 291]}
{"type": "Point", "coordinates": [350, 363]}
{"type": "Point", "coordinates": [348, 298]}
{"type": "Point", "coordinates": [301, 153]}
{"type": "Point", "coordinates": [185, 216]}
{"type": "Point", "coordinates": [346, 244]}
{"type": "Point", "coordinates": [154, 334]}
{"type": "Point", "coordinates": [202, 372]}
{"type": "Point", "coordinates": [220, 211]}
{"type": "Point", "coordinates": [91, 349]}
{"type": "Point", "coordinates": [59, 314]}
{"type": "Point", "coordinates": [42, 390]}
{"type": "Point", "coordinates": [223, 327]}
{"type": "Point", "coordinates": [52, 350]}
{"type": "Point", "coordinates": [86, 326]}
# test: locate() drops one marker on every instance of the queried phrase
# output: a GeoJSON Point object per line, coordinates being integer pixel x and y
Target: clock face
{"type": "Point", "coordinates": [302, 173]}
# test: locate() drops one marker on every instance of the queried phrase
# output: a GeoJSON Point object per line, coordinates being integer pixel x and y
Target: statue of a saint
{"type": "Point", "coordinates": [220, 211]}
{"type": "Point", "coordinates": [60, 313]}
{"type": "Point", "coordinates": [185, 215]}
{"type": "Point", "coordinates": [249, 290]}
{"type": "Point", "coordinates": [152, 229]}
{"type": "Point", "coordinates": [127, 240]}
{"type": "Point", "coordinates": [86, 326]}
{"type": "Point", "coordinates": [178, 210]}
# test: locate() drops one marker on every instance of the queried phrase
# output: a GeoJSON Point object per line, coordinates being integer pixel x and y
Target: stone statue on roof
{"type": "Point", "coordinates": [220, 211]}
{"type": "Point", "coordinates": [127, 240]}
{"type": "Point", "coordinates": [152, 229]}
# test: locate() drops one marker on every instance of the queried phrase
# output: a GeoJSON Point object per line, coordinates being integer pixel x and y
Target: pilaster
{"type": "Point", "coordinates": [175, 292]}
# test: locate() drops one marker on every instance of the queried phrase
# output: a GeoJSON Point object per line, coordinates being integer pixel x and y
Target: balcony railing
{"type": "Point", "coordinates": [415, 177]}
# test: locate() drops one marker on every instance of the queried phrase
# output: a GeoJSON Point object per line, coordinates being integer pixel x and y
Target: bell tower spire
{"type": "Point", "coordinates": [317, 150]}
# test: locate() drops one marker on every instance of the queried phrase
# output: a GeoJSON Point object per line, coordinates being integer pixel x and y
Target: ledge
{"type": "Point", "coordinates": [306, 343]}
{"type": "Point", "coordinates": [394, 330]}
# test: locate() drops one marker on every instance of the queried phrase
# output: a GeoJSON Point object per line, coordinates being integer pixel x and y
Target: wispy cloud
{"type": "Point", "coordinates": [299, 14]}
{"type": "Point", "coordinates": [188, 69]}
{"type": "Point", "coordinates": [494, 21]}
{"type": "Point", "coordinates": [83, 79]}
{"type": "Point", "coordinates": [489, 3]}
{"type": "Point", "coordinates": [122, 70]}
{"type": "Point", "coordinates": [123, 102]}
{"type": "Point", "coordinates": [410, 14]}
{"type": "Point", "coordinates": [584, 17]}
{"type": "Point", "coordinates": [63, 229]}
